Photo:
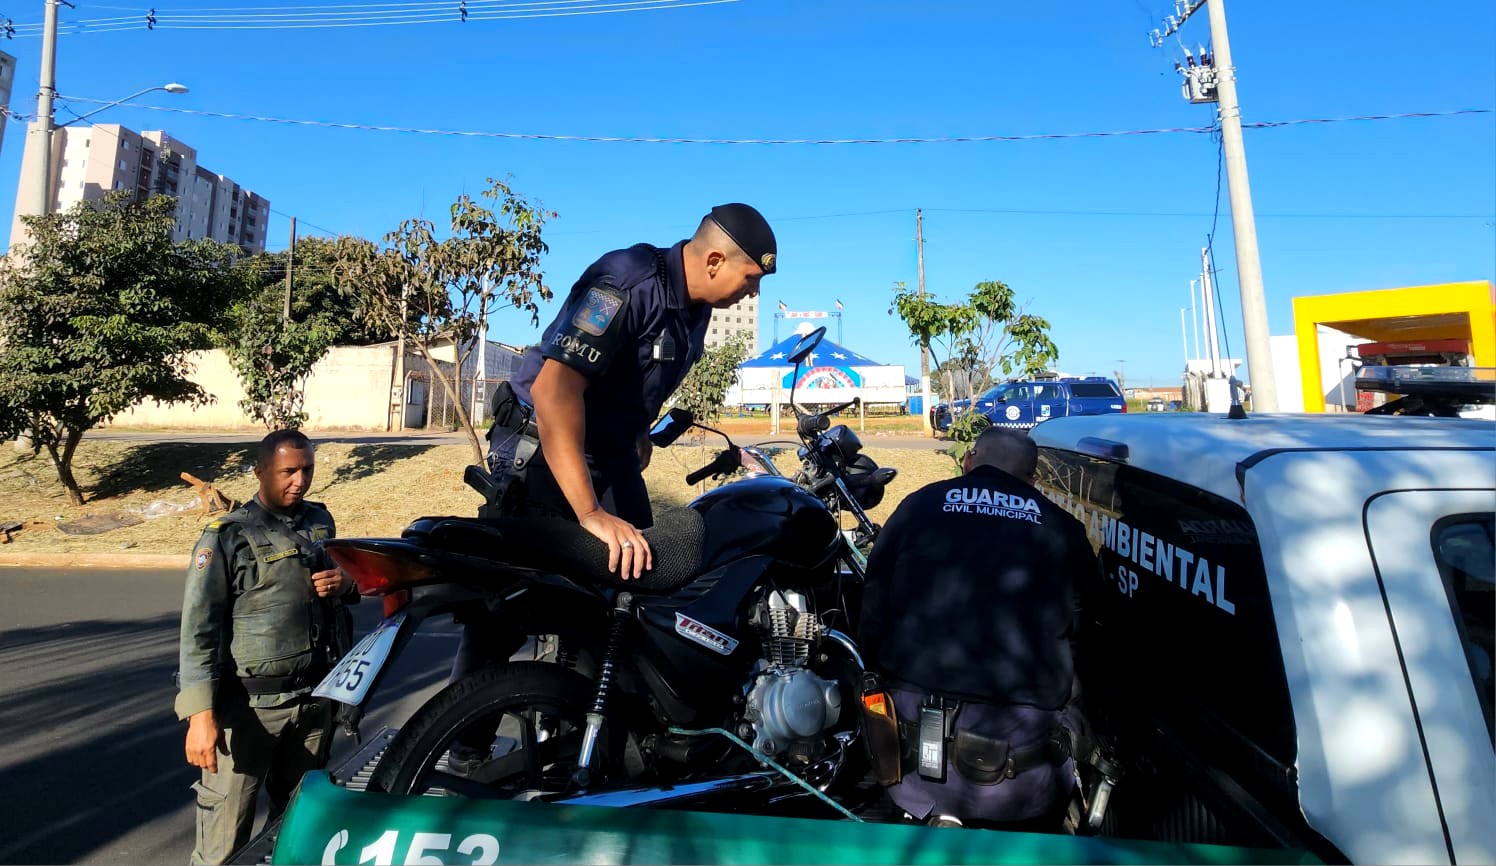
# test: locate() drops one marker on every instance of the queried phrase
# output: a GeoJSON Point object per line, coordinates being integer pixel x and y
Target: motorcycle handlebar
{"type": "Point", "coordinates": [726, 461]}
{"type": "Point", "coordinates": [809, 425]}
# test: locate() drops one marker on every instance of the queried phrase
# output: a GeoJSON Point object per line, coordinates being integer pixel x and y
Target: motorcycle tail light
{"type": "Point", "coordinates": [395, 602]}
{"type": "Point", "coordinates": [378, 572]}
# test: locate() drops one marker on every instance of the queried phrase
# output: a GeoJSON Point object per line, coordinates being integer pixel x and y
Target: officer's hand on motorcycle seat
{"type": "Point", "coordinates": [628, 553]}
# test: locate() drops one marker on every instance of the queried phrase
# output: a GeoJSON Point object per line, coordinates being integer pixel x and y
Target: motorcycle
{"type": "Point", "coordinates": [722, 679]}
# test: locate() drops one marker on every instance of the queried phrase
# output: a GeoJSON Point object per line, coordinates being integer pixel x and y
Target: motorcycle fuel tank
{"type": "Point", "coordinates": [765, 516]}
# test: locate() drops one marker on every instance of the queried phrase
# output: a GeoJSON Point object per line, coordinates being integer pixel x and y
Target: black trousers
{"type": "Point", "coordinates": [617, 480]}
{"type": "Point", "coordinates": [619, 484]}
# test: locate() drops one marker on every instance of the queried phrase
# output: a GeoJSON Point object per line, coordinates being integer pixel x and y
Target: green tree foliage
{"type": "Point", "coordinates": [986, 333]}
{"type": "Point", "coordinates": [706, 384]}
{"type": "Point", "coordinates": [100, 310]}
{"type": "Point", "coordinates": [274, 355]}
{"type": "Point", "coordinates": [316, 291]}
{"type": "Point", "coordinates": [435, 292]}
{"type": "Point", "coordinates": [273, 358]}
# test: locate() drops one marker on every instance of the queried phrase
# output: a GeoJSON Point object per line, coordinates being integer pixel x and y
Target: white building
{"type": "Point", "coordinates": [740, 318]}
{"type": "Point", "coordinates": [89, 162]}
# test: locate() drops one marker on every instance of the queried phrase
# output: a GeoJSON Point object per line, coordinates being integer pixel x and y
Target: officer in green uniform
{"type": "Point", "coordinates": [263, 620]}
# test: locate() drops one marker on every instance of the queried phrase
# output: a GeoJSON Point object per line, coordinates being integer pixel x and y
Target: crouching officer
{"type": "Point", "coordinates": [576, 420]}
{"type": "Point", "coordinates": [968, 616]}
{"type": "Point", "coordinates": [263, 620]}
{"type": "Point", "coordinates": [570, 437]}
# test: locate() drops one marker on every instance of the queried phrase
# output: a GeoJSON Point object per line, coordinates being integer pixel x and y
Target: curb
{"type": "Point", "coordinates": [95, 560]}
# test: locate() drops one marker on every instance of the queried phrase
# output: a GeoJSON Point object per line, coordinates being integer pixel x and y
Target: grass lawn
{"type": "Point", "coordinates": [372, 489]}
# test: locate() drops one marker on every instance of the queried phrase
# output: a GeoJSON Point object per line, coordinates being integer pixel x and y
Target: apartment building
{"type": "Point", "coordinates": [89, 162]}
{"type": "Point", "coordinates": [740, 318]}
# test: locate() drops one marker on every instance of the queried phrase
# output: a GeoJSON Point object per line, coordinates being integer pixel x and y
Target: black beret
{"type": "Point", "coordinates": [750, 231]}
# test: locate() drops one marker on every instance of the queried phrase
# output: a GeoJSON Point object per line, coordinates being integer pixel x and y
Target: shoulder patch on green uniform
{"type": "Point", "coordinates": [204, 556]}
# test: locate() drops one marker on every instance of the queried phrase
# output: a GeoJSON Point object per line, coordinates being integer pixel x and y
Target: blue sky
{"type": "Point", "coordinates": [1109, 264]}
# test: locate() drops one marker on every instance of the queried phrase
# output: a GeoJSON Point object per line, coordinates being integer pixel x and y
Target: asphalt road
{"type": "Point", "coordinates": [92, 769]}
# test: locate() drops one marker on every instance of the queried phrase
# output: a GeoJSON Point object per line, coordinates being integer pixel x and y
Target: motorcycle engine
{"type": "Point", "coordinates": [788, 705]}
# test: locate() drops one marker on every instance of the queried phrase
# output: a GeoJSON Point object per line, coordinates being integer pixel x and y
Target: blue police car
{"type": "Point", "coordinates": [1024, 404]}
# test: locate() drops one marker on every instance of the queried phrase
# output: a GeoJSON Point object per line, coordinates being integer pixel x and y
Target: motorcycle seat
{"type": "Point", "coordinates": [563, 547]}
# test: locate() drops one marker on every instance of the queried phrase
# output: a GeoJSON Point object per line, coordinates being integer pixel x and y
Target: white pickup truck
{"type": "Point", "coordinates": [1291, 645]}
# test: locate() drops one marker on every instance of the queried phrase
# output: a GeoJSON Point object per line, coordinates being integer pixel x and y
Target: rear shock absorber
{"type": "Point", "coordinates": [618, 620]}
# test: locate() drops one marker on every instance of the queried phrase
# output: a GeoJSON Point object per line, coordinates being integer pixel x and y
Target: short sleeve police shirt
{"type": "Point", "coordinates": [629, 328]}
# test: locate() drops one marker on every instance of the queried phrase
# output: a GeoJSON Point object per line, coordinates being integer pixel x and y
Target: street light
{"type": "Point", "coordinates": [44, 126]}
{"type": "Point", "coordinates": [173, 87]}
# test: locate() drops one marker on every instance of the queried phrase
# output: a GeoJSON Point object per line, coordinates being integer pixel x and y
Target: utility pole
{"type": "Point", "coordinates": [1212, 340]}
{"type": "Point", "coordinates": [1184, 337]}
{"type": "Point", "coordinates": [1214, 80]}
{"type": "Point", "coordinates": [290, 266]}
{"type": "Point", "coordinates": [924, 347]}
{"type": "Point", "coordinates": [40, 132]}
{"type": "Point", "coordinates": [1194, 320]}
{"type": "Point", "coordinates": [480, 375]}
{"type": "Point", "coordinates": [397, 376]}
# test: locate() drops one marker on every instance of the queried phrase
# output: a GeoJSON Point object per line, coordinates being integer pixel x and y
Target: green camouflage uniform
{"type": "Point", "coordinates": [255, 642]}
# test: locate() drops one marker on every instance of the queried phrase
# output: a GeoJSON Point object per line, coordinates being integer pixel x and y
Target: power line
{"type": "Point", "coordinates": [1215, 213]}
{"type": "Point", "coordinates": [319, 9]}
{"type": "Point", "coordinates": [618, 139]}
{"type": "Point", "coordinates": [1192, 214]}
{"type": "Point", "coordinates": [362, 15]}
{"type": "Point", "coordinates": [304, 221]}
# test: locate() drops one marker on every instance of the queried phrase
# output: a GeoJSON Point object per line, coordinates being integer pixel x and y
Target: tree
{"type": "Point", "coordinates": [100, 310]}
{"type": "Point", "coordinates": [317, 292]}
{"type": "Point", "coordinates": [986, 333]}
{"type": "Point", "coordinates": [272, 354]}
{"type": "Point", "coordinates": [706, 384]}
{"type": "Point", "coordinates": [273, 358]}
{"type": "Point", "coordinates": [434, 293]}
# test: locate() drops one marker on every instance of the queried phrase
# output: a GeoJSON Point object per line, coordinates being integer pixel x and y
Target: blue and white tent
{"type": "Point", "coordinates": [832, 374]}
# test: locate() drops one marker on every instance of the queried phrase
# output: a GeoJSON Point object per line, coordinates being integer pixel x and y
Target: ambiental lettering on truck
{"type": "Point", "coordinates": [1174, 563]}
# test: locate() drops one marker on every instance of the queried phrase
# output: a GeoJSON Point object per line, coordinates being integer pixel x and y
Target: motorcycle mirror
{"type": "Point", "coordinates": [669, 428]}
{"type": "Point", "coordinates": [807, 345]}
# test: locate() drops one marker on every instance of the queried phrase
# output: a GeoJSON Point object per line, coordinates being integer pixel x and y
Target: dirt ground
{"type": "Point", "coordinates": [371, 489]}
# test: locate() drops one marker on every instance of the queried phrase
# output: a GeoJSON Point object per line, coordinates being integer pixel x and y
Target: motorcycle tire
{"type": "Point", "coordinates": [536, 709]}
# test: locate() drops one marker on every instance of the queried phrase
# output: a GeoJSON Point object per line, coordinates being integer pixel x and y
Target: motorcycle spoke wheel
{"type": "Point", "coordinates": [531, 717]}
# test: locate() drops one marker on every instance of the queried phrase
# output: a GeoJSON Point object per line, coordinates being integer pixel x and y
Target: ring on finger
{"type": "Point", "coordinates": [627, 544]}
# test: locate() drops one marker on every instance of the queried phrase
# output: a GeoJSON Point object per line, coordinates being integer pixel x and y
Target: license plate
{"type": "Point", "coordinates": [351, 680]}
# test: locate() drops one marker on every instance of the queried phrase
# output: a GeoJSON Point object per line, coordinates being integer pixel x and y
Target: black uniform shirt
{"type": "Point", "coordinates": [629, 327]}
{"type": "Point", "coordinates": [970, 590]}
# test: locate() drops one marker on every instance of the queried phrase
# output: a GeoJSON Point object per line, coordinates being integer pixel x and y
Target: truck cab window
{"type": "Point", "coordinates": [1467, 563]}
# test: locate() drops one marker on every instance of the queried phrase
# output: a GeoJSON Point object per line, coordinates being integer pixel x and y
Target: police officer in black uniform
{"type": "Point", "coordinates": [571, 430]}
{"type": "Point", "coordinates": [631, 328]}
{"type": "Point", "coordinates": [968, 616]}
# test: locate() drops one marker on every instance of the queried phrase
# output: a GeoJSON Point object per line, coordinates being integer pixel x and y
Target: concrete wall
{"type": "Point", "coordinates": [349, 388]}
{"type": "Point", "coordinates": [210, 370]}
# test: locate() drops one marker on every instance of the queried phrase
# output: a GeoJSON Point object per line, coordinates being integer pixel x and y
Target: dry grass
{"type": "Point", "coordinates": [372, 489]}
